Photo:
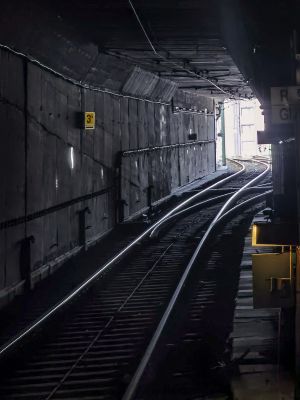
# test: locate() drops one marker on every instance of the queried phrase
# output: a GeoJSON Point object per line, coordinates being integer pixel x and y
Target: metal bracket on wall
{"type": "Point", "coordinates": [82, 225]}
{"type": "Point", "coordinates": [25, 260]}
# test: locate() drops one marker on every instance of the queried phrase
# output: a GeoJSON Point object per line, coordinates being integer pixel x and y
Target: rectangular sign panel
{"type": "Point", "coordinates": [283, 114]}
{"type": "Point", "coordinates": [89, 120]}
{"type": "Point", "coordinates": [285, 95]}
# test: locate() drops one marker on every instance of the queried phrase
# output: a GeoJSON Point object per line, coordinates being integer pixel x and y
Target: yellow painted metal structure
{"type": "Point", "coordinates": [273, 280]}
{"type": "Point", "coordinates": [265, 234]}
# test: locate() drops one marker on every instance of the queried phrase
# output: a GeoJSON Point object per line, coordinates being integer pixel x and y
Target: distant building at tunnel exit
{"type": "Point", "coordinates": [242, 121]}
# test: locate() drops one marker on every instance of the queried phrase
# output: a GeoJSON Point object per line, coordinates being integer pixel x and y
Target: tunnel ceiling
{"type": "Point", "coordinates": [185, 35]}
{"type": "Point", "coordinates": [217, 47]}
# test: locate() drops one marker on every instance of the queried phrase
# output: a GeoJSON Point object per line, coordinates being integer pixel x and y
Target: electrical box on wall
{"type": "Point", "coordinates": [192, 136]}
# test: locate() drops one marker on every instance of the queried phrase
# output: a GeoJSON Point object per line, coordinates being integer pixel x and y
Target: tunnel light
{"type": "Point", "coordinates": [137, 197]}
{"type": "Point", "coordinates": [102, 173]}
{"type": "Point", "coordinates": [72, 157]}
{"type": "Point", "coordinates": [289, 140]}
{"type": "Point", "coordinates": [56, 182]}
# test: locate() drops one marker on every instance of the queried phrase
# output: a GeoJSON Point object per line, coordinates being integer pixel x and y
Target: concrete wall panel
{"type": "Point", "coordinates": [50, 236]}
{"type": "Point", "coordinates": [124, 117]}
{"type": "Point", "coordinates": [14, 163]}
{"type": "Point", "coordinates": [12, 80]}
{"type": "Point", "coordinates": [63, 171]}
{"type": "Point", "coordinates": [150, 124]}
{"type": "Point", "coordinates": [108, 132]}
{"type": "Point", "coordinates": [99, 131]}
{"type": "Point", "coordinates": [74, 224]}
{"type": "Point", "coordinates": [3, 164]}
{"type": "Point", "coordinates": [35, 167]}
{"type": "Point", "coordinates": [36, 229]}
{"type": "Point", "coordinates": [2, 259]}
{"type": "Point", "coordinates": [133, 124]}
{"type": "Point", "coordinates": [50, 177]}
{"type": "Point", "coordinates": [125, 185]}
{"type": "Point", "coordinates": [62, 162]}
{"type": "Point", "coordinates": [74, 107]}
{"type": "Point", "coordinates": [116, 128]}
{"type": "Point", "coordinates": [14, 236]}
{"type": "Point", "coordinates": [142, 135]}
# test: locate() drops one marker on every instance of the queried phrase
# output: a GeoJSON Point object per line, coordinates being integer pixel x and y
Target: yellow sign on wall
{"type": "Point", "coordinates": [89, 120]}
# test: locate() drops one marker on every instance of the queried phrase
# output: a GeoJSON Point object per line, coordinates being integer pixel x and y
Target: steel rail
{"type": "Point", "coordinates": [237, 194]}
{"type": "Point", "coordinates": [15, 340]}
{"type": "Point", "coordinates": [265, 184]}
{"type": "Point", "coordinates": [156, 230]}
{"type": "Point", "coordinates": [244, 203]}
{"type": "Point", "coordinates": [132, 387]}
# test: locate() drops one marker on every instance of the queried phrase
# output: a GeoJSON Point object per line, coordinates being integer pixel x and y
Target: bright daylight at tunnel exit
{"type": "Point", "coordinates": [149, 200]}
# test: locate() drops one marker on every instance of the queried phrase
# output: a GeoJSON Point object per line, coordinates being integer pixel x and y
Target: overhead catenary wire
{"type": "Point", "coordinates": [142, 27]}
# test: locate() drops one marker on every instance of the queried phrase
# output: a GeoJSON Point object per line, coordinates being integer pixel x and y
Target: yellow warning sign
{"type": "Point", "coordinates": [89, 120]}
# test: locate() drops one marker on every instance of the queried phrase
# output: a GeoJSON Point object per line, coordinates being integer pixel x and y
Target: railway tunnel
{"type": "Point", "coordinates": [112, 128]}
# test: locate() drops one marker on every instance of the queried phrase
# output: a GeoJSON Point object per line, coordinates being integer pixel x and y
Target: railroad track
{"type": "Point", "coordinates": [194, 352]}
{"type": "Point", "coordinates": [96, 348]}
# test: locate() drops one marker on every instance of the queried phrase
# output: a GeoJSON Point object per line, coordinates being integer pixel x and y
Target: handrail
{"type": "Point", "coordinates": [132, 387]}
{"type": "Point", "coordinates": [116, 258]}
{"type": "Point", "coordinates": [166, 147]}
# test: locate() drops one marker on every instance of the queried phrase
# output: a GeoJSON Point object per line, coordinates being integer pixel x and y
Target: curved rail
{"type": "Point", "coordinates": [243, 204]}
{"type": "Point", "coordinates": [155, 232]}
{"type": "Point", "coordinates": [113, 260]}
{"type": "Point", "coordinates": [132, 387]}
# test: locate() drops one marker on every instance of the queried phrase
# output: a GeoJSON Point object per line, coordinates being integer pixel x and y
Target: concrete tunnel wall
{"type": "Point", "coordinates": [42, 190]}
